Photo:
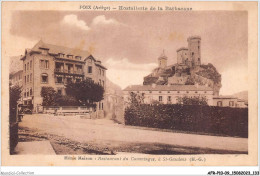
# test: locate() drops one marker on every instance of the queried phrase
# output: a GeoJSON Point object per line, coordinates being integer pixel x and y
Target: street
{"type": "Point", "coordinates": [106, 133]}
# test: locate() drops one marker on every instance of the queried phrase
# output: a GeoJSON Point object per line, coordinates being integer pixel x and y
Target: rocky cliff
{"type": "Point", "coordinates": [206, 75]}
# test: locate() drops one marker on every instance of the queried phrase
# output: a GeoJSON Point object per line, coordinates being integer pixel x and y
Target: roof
{"type": "Point", "coordinates": [54, 49]}
{"type": "Point", "coordinates": [194, 37]}
{"type": "Point", "coordinates": [99, 65]}
{"type": "Point", "coordinates": [163, 56]}
{"type": "Point", "coordinates": [182, 48]}
{"type": "Point", "coordinates": [224, 97]}
{"type": "Point", "coordinates": [167, 88]}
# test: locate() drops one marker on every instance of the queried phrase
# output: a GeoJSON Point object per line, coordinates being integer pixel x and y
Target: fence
{"type": "Point", "coordinates": [201, 119]}
{"type": "Point", "coordinates": [62, 110]}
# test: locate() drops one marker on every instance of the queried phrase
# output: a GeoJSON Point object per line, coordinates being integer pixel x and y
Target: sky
{"type": "Point", "coordinates": [129, 43]}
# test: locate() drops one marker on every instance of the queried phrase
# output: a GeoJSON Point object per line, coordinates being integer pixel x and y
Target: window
{"type": "Point", "coordinates": [100, 82]}
{"type": "Point", "coordinates": [44, 64]}
{"type": "Point", "coordinates": [89, 69]}
{"type": "Point", "coordinates": [231, 103]}
{"type": "Point", "coordinates": [205, 91]}
{"type": "Point", "coordinates": [59, 80]}
{"type": "Point", "coordinates": [27, 93]}
{"type": "Point", "coordinates": [44, 78]}
{"type": "Point", "coordinates": [160, 98]}
{"type": "Point", "coordinates": [103, 72]}
{"type": "Point", "coordinates": [199, 59]}
{"type": "Point", "coordinates": [103, 83]}
{"type": "Point", "coordinates": [25, 79]}
{"type": "Point", "coordinates": [30, 65]}
{"type": "Point", "coordinates": [30, 77]}
{"type": "Point", "coordinates": [24, 95]}
{"type": "Point", "coordinates": [100, 71]}
{"type": "Point", "coordinates": [169, 98]}
{"type": "Point", "coordinates": [219, 103]}
{"type": "Point", "coordinates": [24, 67]}
{"type": "Point", "coordinates": [160, 91]}
{"type": "Point", "coordinates": [69, 80]}
{"type": "Point", "coordinates": [69, 56]}
{"type": "Point", "coordinates": [169, 92]}
{"type": "Point", "coordinates": [178, 91]}
{"type": "Point", "coordinates": [62, 55]}
{"type": "Point", "coordinates": [78, 80]}
{"type": "Point", "coordinates": [150, 91]}
{"type": "Point", "coordinates": [187, 91]}
{"type": "Point", "coordinates": [102, 106]}
{"type": "Point", "coordinates": [30, 91]}
{"type": "Point", "coordinates": [196, 92]}
{"type": "Point", "coordinates": [59, 91]}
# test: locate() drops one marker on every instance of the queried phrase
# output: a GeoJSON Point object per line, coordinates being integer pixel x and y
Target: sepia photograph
{"type": "Point", "coordinates": [98, 82]}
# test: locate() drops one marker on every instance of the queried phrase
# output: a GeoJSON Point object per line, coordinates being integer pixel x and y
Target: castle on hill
{"type": "Point", "coordinates": [187, 71]}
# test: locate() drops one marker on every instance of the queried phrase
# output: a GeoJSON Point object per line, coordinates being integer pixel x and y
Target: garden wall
{"type": "Point", "coordinates": [222, 121]}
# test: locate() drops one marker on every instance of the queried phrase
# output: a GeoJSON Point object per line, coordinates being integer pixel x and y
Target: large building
{"type": "Point", "coordinates": [55, 66]}
{"type": "Point", "coordinates": [16, 79]}
{"type": "Point", "coordinates": [169, 94]}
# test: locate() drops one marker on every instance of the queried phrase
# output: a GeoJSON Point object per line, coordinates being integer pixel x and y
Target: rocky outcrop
{"type": "Point", "coordinates": [206, 75]}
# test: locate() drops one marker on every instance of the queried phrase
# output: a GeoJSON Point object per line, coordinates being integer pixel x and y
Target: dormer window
{"type": "Point", "coordinates": [78, 57]}
{"type": "Point", "coordinates": [62, 55]}
{"type": "Point", "coordinates": [70, 56]}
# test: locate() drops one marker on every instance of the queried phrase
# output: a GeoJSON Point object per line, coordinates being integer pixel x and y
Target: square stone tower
{"type": "Point", "coordinates": [162, 60]}
{"type": "Point", "coordinates": [194, 43]}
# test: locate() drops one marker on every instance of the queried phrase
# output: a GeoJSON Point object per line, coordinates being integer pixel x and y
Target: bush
{"type": "Point", "coordinates": [15, 95]}
{"type": "Point", "coordinates": [194, 118]}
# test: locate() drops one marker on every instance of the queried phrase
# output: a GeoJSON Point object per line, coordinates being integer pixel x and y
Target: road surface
{"type": "Point", "coordinates": [106, 132]}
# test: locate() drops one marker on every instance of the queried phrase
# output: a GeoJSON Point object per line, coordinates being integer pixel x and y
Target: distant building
{"type": "Point", "coordinates": [16, 79]}
{"type": "Point", "coordinates": [55, 66]}
{"type": "Point", "coordinates": [229, 101]}
{"type": "Point", "coordinates": [169, 94]}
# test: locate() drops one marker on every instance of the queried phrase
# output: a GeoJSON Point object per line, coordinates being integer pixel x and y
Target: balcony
{"type": "Point", "coordinates": [64, 71]}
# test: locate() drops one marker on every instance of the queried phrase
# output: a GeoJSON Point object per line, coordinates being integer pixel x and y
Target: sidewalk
{"type": "Point", "coordinates": [34, 148]}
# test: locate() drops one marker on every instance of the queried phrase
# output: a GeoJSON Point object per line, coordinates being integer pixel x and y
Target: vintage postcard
{"type": "Point", "coordinates": [129, 84]}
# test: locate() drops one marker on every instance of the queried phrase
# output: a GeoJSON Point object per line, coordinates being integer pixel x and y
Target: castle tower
{"type": "Point", "coordinates": [162, 60]}
{"type": "Point", "coordinates": [182, 56]}
{"type": "Point", "coordinates": [194, 43]}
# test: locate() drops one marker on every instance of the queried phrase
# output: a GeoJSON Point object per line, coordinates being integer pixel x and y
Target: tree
{"type": "Point", "coordinates": [193, 100]}
{"type": "Point", "coordinates": [64, 100]}
{"type": "Point", "coordinates": [86, 92]}
{"type": "Point", "coordinates": [15, 95]}
{"type": "Point", "coordinates": [48, 94]}
{"type": "Point", "coordinates": [135, 99]}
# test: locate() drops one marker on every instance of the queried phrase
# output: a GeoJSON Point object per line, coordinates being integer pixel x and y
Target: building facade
{"type": "Point", "coordinates": [16, 79]}
{"type": "Point", "coordinates": [229, 101]}
{"type": "Point", "coordinates": [168, 94]}
{"type": "Point", "coordinates": [55, 66]}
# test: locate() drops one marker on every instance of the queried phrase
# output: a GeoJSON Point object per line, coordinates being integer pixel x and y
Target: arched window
{"type": "Point", "coordinates": [44, 78]}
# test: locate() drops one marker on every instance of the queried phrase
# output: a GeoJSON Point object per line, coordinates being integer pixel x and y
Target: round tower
{"type": "Point", "coordinates": [162, 60]}
{"type": "Point", "coordinates": [194, 46]}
